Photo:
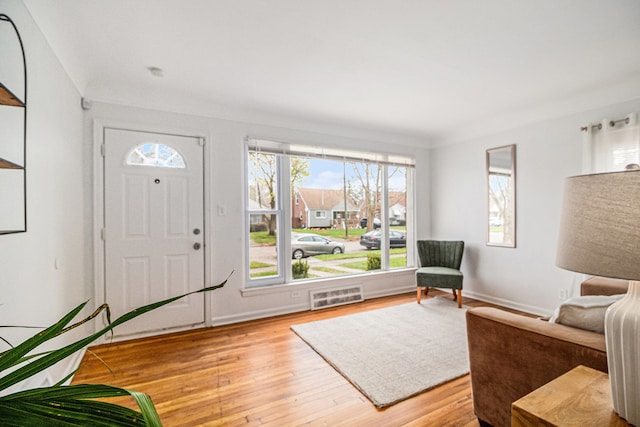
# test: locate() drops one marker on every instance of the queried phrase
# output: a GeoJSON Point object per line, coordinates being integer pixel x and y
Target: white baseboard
{"type": "Point", "coordinates": [296, 308]}
{"type": "Point", "coordinates": [304, 306]}
{"type": "Point", "coordinates": [538, 311]}
{"type": "Point", "coordinates": [259, 314]}
{"type": "Point", "coordinates": [388, 292]}
{"type": "Point", "coordinates": [108, 339]}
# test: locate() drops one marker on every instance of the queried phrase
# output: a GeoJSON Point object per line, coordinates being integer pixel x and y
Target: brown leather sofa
{"type": "Point", "coordinates": [511, 355]}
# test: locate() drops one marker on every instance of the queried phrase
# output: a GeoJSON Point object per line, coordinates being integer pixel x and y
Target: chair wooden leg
{"type": "Point", "coordinates": [455, 297]}
{"type": "Point", "coordinates": [419, 293]}
{"type": "Point", "coordinates": [460, 298]}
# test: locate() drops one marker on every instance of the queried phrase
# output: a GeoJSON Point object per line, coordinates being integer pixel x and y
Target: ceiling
{"type": "Point", "coordinates": [430, 70]}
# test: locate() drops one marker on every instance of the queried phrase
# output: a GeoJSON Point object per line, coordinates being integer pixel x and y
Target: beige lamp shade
{"type": "Point", "coordinates": [600, 225]}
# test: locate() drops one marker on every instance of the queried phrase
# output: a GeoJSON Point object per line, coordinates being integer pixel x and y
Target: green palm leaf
{"type": "Point", "coordinates": [15, 355]}
{"type": "Point", "coordinates": [55, 356]}
{"type": "Point", "coordinates": [71, 405]}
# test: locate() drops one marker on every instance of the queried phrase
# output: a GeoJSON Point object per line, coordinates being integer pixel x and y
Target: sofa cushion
{"type": "Point", "coordinates": [603, 286]}
{"type": "Point", "coordinates": [585, 312]}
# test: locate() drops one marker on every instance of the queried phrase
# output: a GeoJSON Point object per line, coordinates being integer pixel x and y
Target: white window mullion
{"type": "Point", "coordinates": [384, 218]}
{"type": "Point", "coordinates": [409, 218]}
{"type": "Point", "coordinates": [261, 207]}
{"type": "Point", "coordinates": [284, 224]}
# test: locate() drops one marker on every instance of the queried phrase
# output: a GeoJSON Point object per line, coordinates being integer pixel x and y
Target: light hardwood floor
{"type": "Point", "coordinates": [260, 373]}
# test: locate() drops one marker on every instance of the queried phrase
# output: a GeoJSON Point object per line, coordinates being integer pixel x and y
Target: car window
{"type": "Point", "coordinates": [320, 239]}
{"type": "Point", "coordinates": [306, 239]}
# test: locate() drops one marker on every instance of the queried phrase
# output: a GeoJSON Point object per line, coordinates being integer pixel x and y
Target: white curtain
{"type": "Point", "coordinates": [611, 145]}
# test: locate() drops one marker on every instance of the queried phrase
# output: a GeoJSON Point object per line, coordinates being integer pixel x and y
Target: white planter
{"type": "Point", "coordinates": [622, 331]}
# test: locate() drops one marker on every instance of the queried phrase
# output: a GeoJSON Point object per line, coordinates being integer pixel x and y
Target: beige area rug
{"type": "Point", "coordinates": [393, 353]}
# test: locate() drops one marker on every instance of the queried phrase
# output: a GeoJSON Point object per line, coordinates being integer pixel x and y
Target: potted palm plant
{"type": "Point", "coordinates": [65, 405]}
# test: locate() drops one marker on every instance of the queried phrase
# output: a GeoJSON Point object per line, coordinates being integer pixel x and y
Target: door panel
{"type": "Point", "coordinates": [152, 208]}
{"type": "Point", "coordinates": [136, 206]}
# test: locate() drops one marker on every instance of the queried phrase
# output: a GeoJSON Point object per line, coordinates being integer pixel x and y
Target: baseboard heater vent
{"type": "Point", "coordinates": [326, 298]}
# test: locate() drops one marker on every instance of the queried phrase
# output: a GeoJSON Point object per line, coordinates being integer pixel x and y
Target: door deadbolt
{"type": "Point", "coordinates": [196, 231]}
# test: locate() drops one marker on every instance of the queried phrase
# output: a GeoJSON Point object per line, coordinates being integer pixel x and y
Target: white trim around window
{"type": "Point", "coordinates": [268, 195]}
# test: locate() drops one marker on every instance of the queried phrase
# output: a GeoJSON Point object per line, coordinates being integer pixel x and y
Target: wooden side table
{"type": "Point", "coordinates": [581, 397]}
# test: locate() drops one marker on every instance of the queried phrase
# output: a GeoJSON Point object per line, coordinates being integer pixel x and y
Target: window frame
{"type": "Point", "coordinates": [282, 192]}
{"type": "Point", "coordinates": [284, 209]}
{"type": "Point", "coordinates": [156, 162]}
{"type": "Point", "coordinates": [604, 141]}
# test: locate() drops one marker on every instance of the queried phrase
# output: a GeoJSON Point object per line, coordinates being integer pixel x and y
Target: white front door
{"type": "Point", "coordinates": [154, 227]}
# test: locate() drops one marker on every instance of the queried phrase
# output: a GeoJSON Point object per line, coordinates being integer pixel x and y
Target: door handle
{"type": "Point", "coordinates": [196, 246]}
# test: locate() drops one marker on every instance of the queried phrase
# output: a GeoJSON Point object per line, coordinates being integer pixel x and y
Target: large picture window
{"type": "Point", "coordinates": [315, 213]}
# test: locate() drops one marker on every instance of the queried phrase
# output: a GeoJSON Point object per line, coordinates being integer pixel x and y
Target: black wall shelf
{"type": "Point", "coordinates": [13, 133]}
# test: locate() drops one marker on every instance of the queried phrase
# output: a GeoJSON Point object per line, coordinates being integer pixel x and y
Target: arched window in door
{"type": "Point", "coordinates": [156, 155]}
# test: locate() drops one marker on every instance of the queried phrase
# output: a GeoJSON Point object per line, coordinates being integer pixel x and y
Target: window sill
{"type": "Point", "coordinates": [327, 281]}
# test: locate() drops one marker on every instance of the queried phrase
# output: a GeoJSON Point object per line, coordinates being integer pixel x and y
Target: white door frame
{"type": "Point", "coordinates": [99, 289]}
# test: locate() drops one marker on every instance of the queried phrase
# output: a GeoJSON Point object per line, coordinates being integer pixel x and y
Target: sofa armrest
{"type": "Point", "coordinates": [603, 286]}
{"type": "Point", "coordinates": [511, 355]}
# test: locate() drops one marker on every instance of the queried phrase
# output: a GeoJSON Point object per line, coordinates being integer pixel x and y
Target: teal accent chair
{"type": "Point", "coordinates": [440, 267]}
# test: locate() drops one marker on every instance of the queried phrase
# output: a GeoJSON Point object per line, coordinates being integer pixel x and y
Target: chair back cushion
{"type": "Point", "coordinates": [440, 253]}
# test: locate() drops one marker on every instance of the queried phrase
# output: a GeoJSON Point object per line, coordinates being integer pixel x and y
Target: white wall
{"type": "Point", "coordinates": [33, 291]}
{"type": "Point", "coordinates": [525, 277]}
{"type": "Point", "coordinates": [225, 185]}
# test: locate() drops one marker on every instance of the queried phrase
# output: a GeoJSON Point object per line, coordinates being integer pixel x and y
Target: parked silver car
{"type": "Point", "coordinates": [303, 245]}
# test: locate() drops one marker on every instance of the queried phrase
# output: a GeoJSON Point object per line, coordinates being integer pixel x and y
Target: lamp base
{"type": "Point", "coordinates": [622, 330]}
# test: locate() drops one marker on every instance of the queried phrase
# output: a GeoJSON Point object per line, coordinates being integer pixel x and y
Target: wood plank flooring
{"type": "Point", "coordinates": [260, 373]}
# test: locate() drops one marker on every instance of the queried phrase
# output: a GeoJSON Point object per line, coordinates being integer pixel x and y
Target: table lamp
{"type": "Point", "coordinates": [600, 236]}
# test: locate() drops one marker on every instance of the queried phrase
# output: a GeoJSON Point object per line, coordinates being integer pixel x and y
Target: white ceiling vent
{"type": "Point", "coordinates": [325, 298]}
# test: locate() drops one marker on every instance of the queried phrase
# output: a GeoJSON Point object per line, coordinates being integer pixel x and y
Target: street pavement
{"type": "Point", "coordinates": [267, 254]}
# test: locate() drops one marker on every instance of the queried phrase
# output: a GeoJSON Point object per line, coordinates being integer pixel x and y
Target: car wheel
{"type": "Point", "coordinates": [297, 254]}
{"type": "Point", "coordinates": [336, 251]}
